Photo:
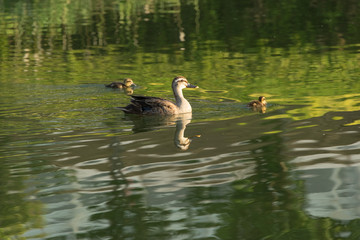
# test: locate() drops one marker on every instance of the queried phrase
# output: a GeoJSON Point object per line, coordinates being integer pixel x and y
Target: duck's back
{"type": "Point", "coordinates": [255, 103]}
{"type": "Point", "coordinates": [115, 85]}
{"type": "Point", "coordinates": [150, 106]}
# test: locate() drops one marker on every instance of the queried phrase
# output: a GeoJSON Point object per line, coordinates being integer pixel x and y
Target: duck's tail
{"type": "Point", "coordinates": [130, 109]}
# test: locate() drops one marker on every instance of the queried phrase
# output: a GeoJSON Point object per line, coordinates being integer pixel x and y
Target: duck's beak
{"type": "Point", "coordinates": [191, 86]}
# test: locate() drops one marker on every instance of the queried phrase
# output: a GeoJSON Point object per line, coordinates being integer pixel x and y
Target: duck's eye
{"type": "Point", "coordinates": [182, 81]}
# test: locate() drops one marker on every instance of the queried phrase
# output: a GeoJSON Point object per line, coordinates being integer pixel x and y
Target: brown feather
{"type": "Point", "coordinates": [115, 85]}
{"type": "Point", "coordinates": [150, 105]}
{"type": "Point", "coordinates": [128, 82]}
{"type": "Point", "coordinates": [257, 103]}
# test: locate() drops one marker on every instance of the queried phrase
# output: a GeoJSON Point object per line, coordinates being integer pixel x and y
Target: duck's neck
{"type": "Point", "coordinates": [183, 105]}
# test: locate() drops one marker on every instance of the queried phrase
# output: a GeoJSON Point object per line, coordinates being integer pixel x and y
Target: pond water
{"type": "Point", "coordinates": [73, 166]}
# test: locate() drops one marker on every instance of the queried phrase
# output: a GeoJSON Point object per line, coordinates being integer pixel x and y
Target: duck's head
{"type": "Point", "coordinates": [129, 82]}
{"type": "Point", "coordinates": [181, 82]}
{"type": "Point", "coordinates": [262, 100]}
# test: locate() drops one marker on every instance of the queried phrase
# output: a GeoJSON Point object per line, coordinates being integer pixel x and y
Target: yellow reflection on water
{"type": "Point", "coordinates": [317, 106]}
{"type": "Point", "coordinates": [357, 122]}
{"type": "Point", "coordinates": [273, 132]}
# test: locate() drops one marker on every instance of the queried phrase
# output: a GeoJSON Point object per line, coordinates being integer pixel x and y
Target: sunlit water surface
{"type": "Point", "coordinates": [73, 166]}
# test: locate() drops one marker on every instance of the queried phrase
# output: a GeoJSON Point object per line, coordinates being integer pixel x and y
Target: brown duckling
{"type": "Point", "coordinates": [128, 82]}
{"type": "Point", "coordinates": [158, 106]}
{"type": "Point", "coordinates": [258, 103]}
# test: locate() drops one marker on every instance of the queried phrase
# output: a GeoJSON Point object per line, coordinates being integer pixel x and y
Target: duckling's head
{"type": "Point", "coordinates": [181, 82]}
{"type": "Point", "coordinates": [262, 100]}
{"type": "Point", "coordinates": [128, 91]}
{"type": "Point", "coordinates": [129, 82]}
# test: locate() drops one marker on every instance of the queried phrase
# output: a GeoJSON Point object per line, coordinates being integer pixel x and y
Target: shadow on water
{"type": "Point", "coordinates": [143, 123]}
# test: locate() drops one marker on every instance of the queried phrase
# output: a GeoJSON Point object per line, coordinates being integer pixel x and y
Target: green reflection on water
{"type": "Point", "coordinates": [56, 56]}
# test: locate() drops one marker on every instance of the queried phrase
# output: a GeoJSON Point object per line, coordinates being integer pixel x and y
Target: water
{"type": "Point", "coordinates": [73, 166]}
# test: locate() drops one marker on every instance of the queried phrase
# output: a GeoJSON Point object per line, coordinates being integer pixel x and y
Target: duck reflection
{"type": "Point", "coordinates": [150, 123]}
{"type": "Point", "coordinates": [180, 140]}
{"type": "Point", "coordinates": [128, 91]}
{"type": "Point", "coordinates": [261, 109]}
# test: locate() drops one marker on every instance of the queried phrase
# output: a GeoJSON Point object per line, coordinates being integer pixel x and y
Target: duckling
{"type": "Point", "coordinates": [158, 106]}
{"type": "Point", "coordinates": [128, 82]}
{"type": "Point", "coordinates": [258, 103]}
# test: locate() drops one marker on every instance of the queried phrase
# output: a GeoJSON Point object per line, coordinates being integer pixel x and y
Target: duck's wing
{"type": "Point", "coordinates": [253, 103]}
{"type": "Point", "coordinates": [155, 105]}
{"type": "Point", "coordinates": [256, 104]}
{"type": "Point", "coordinates": [150, 105]}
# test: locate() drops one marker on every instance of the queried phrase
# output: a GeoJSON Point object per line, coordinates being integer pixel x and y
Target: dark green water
{"type": "Point", "coordinates": [72, 166]}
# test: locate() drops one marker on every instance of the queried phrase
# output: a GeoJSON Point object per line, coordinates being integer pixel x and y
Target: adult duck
{"type": "Point", "coordinates": [127, 83]}
{"type": "Point", "coordinates": [159, 106]}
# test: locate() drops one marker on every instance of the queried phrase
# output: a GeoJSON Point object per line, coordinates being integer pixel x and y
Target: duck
{"type": "Point", "coordinates": [127, 83]}
{"type": "Point", "coordinates": [145, 105]}
{"type": "Point", "coordinates": [258, 103]}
